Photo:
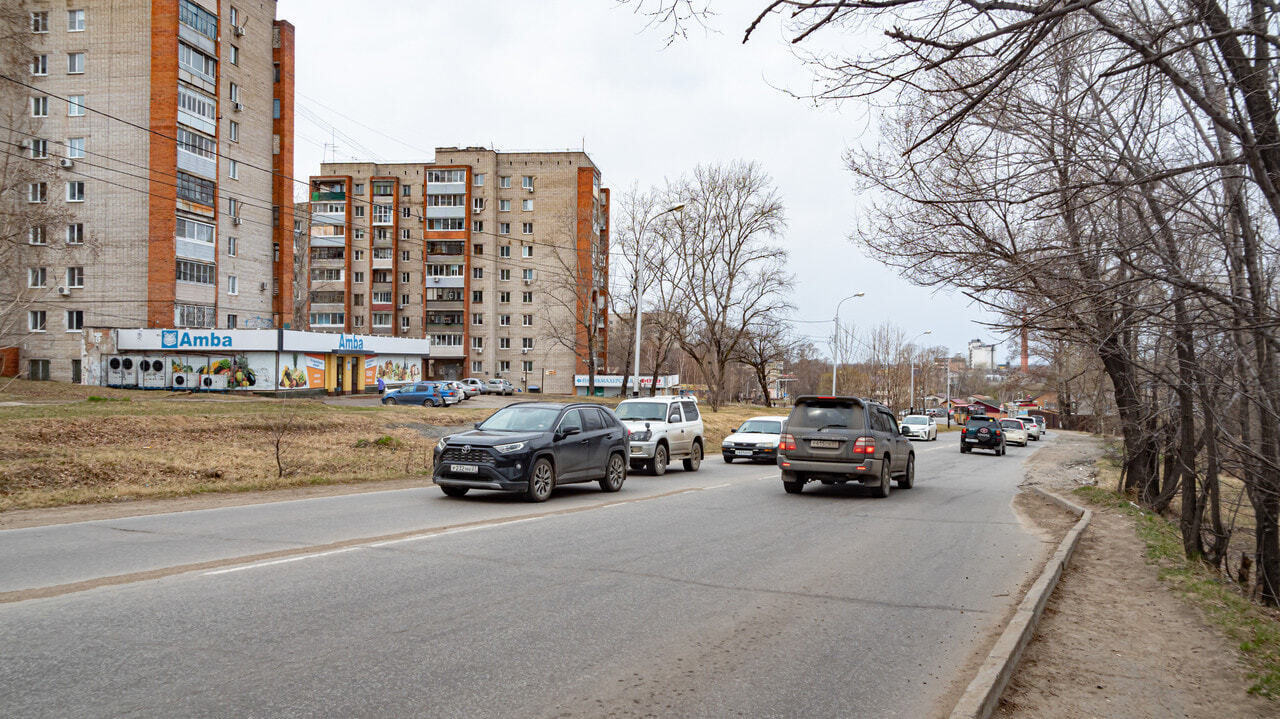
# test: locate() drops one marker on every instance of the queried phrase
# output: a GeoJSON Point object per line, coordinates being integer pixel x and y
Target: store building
{"type": "Point", "coordinates": [610, 385]}
{"type": "Point", "coordinates": [250, 360]}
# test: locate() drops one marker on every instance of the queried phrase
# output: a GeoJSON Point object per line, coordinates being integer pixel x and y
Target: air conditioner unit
{"type": "Point", "coordinates": [182, 380]}
{"type": "Point", "coordinates": [155, 373]}
{"type": "Point", "coordinates": [529, 188]}
{"type": "Point", "coordinates": [476, 210]}
{"type": "Point", "coordinates": [528, 281]}
{"type": "Point", "coordinates": [64, 290]}
{"type": "Point", "coordinates": [238, 30]}
{"type": "Point", "coordinates": [435, 279]}
{"type": "Point", "coordinates": [213, 382]}
{"type": "Point", "coordinates": [66, 163]}
{"type": "Point", "coordinates": [235, 220]}
{"type": "Point", "coordinates": [122, 371]}
{"type": "Point", "coordinates": [237, 106]}
{"type": "Point", "coordinates": [25, 144]}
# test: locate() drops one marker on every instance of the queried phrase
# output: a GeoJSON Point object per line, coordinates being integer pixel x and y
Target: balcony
{"type": "Point", "coordinates": [328, 197]}
{"type": "Point", "coordinates": [446, 282]}
{"type": "Point", "coordinates": [446, 212]}
{"type": "Point", "coordinates": [382, 263]}
{"type": "Point", "coordinates": [446, 188]}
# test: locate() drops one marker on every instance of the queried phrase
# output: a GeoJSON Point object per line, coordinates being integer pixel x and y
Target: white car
{"type": "Point", "coordinates": [1034, 429]}
{"type": "Point", "coordinates": [919, 426]}
{"type": "Point", "coordinates": [499, 387]}
{"type": "Point", "coordinates": [1015, 431]}
{"type": "Point", "coordinates": [756, 439]}
{"type": "Point", "coordinates": [663, 429]}
{"type": "Point", "coordinates": [465, 391]}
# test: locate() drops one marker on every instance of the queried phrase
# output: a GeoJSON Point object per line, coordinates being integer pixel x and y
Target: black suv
{"type": "Point", "coordinates": [982, 432]}
{"type": "Point", "coordinates": [530, 447]}
{"type": "Point", "coordinates": [844, 439]}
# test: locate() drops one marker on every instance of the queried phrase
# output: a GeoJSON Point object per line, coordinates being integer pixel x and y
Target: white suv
{"type": "Point", "coordinates": [662, 429]}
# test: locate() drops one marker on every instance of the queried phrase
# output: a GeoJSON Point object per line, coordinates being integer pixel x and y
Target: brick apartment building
{"type": "Point", "coordinates": [500, 258]}
{"type": "Point", "coordinates": [167, 130]}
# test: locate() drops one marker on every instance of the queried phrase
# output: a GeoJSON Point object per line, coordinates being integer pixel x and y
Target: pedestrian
{"type": "Point", "coordinates": [382, 385]}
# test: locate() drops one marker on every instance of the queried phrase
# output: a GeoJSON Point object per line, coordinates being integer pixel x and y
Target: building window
{"type": "Point", "coordinates": [233, 92]}
{"type": "Point", "coordinates": [381, 319]}
{"type": "Point", "coordinates": [232, 321]}
{"type": "Point", "coordinates": [235, 55]}
{"type": "Point", "coordinates": [196, 144]}
{"type": "Point", "coordinates": [504, 205]}
{"type": "Point", "coordinates": [75, 106]}
{"type": "Point", "coordinates": [477, 226]}
{"type": "Point", "coordinates": [526, 321]}
{"type": "Point", "coordinates": [275, 108]}
{"type": "Point", "coordinates": [446, 223]}
{"type": "Point", "coordinates": [35, 277]}
{"type": "Point", "coordinates": [194, 231]}
{"type": "Point", "coordinates": [233, 131]}
{"type": "Point", "coordinates": [527, 365]}
{"type": "Point", "coordinates": [358, 211]}
{"type": "Point", "coordinates": [40, 21]}
{"type": "Point", "coordinates": [382, 214]}
{"type": "Point", "coordinates": [357, 300]}
{"type": "Point", "coordinates": [477, 366]}
{"type": "Point", "coordinates": [477, 273]}
{"type": "Point", "coordinates": [198, 104]}
{"type": "Point", "coordinates": [504, 181]}
{"type": "Point", "coordinates": [193, 316]}
{"type": "Point", "coordinates": [404, 277]}
{"type": "Point", "coordinates": [356, 277]}
{"type": "Point", "coordinates": [526, 275]}
{"type": "Point", "coordinates": [235, 17]}
{"type": "Point", "coordinates": [75, 277]}
{"type": "Point", "coordinates": [526, 251]}
{"type": "Point", "coordinates": [36, 320]}
{"type": "Point", "coordinates": [446, 175]}
{"type": "Point", "coordinates": [195, 272]}
{"type": "Point", "coordinates": [39, 149]}
{"type": "Point", "coordinates": [526, 297]}
{"type": "Point", "coordinates": [527, 228]}
{"type": "Point", "coordinates": [329, 319]}
{"type": "Point", "coordinates": [504, 275]}
{"type": "Point", "coordinates": [39, 64]}
{"type": "Point", "coordinates": [75, 21]}
{"type": "Point", "coordinates": [404, 322]}
{"type": "Point", "coordinates": [404, 300]}
{"type": "Point", "coordinates": [195, 189]}
{"type": "Point", "coordinates": [436, 200]}
{"type": "Point", "coordinates": [196, 62]}
{"type": "Point", "coordinates": [75, 63]}
{"type": "Point", "coordinates": [504, 297]}
{"type": "Point", "coordinates": [477, 318]}
{"type": "Point", "coordinates": [40, 106]}
{"type": "Point", "coordinates": [75, 191]}
{"type": "Point", "coordinates": [526, 205]}
{"type": "Point", "coordinates": [232, 246]}
{"type": "Point", "coordinates": [504, 320]}
{"type": "Point", "coordinates": [233, 285]}
{"type": "Point", "coordinates": [37, 192]}
{"type": "Point", "coordinates": [38, 369]}
{"type": "Point", "coordinates": [477, 249]}
{"type": "Point", "coordinates": [504, 343]}
{"type": "Point", "coordinates": [503, 366]}
{"type": "Point", "coordinates": [478, 179]}
{"type": "Point", "coordinates": [358, 189]}
{"type": "Point", "coordinates": [477, 343]}
{"type": "Point", "coordinates": [404, 255]}
{"type": "Point", "coordinates": [357, 234]}
{"type": "Point", "coordinates": [198, 19]}
{"type": "Point", "coordinates": [75, 148]}
{"type": "Point", "coordinates": [526, 182]}
{"type": "Point", "coordinates": [357, 255]}
{"type": "Point", "coordinates": [75, 233]}
{"type": "Point", "coordinates": [35, 236]}
{"type": "Point", "coordinates": [357, 321]}
{"type": "Point", "coordinates": [75, 320]}
{"type": "Point", "coordinates": [504, 228]}
{"type": "Point", "coordinates": [406, 191]}
{"type": "Point", "coordinates": [504, 251]}
{"type": "Point", "coordinates": [233, 207]}
{"type": "Point", "coordinates": [382, 297]}
{"type": "Point", "coordinates": [233, 169]}
{"type": "Point", "coordinates": [477, 296]}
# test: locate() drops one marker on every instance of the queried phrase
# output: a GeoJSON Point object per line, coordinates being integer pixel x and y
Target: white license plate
{"type": "Point", "coordinates": [744, 451]}
{"type": "Point", "coordinates": [464, 468]}
{"type": "Point", "coordinates": [823, 444]}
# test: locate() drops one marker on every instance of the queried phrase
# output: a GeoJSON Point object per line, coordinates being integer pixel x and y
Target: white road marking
{"type": "Point", "coordinates": [280, 561]}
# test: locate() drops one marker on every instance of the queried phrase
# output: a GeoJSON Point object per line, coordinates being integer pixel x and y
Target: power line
{"type": "Point", "coordinates": [361, 124]}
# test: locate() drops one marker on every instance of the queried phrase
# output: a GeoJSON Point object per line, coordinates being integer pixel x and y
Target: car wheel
{"type": "Point", "coordinates": [658, 465]}
{"type": "Point", "coordinates": [908, 479]}
{"type": "Point", "coordinates": [795, 487]}
{"type": "Point", "coordinates": [728, 459]}
{"type": "Point", "coordinates": [695, 458]}
{"type": "Point", "coordinates": [964, 449]}
{"type": "Point", "coordinates": [882, 491]}
{"type": "Point", "coordinates": [455, 491]}
{"type": "Point", "coordinates": [428, 402]}
{"type": "Point", "coordinates": [615, 474]}
{"type": "Point", "coordinates": [542, 479]}
{"type": "Point", "coordinates": [389, 400]}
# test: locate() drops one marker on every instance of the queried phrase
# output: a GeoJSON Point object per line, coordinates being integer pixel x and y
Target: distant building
{"type": "Point", "coordinates": [981, 355]}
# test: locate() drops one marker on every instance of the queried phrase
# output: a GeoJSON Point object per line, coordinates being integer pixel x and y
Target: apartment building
{"type": "Point", "coordinates": [500, 258]}
{"type": "Point", "coordinates": [166, 131]}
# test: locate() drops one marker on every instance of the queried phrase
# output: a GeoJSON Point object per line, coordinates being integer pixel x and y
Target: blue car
{"type": "Point", "coordinates": [423, 393]}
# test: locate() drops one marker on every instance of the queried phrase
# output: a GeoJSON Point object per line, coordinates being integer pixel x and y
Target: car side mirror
{"type": "Point", "coordinates": [568, 432]}
{"type": "Point", "coordinates": [477, 425]}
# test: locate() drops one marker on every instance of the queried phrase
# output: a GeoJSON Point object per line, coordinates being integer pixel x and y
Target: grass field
{"type": "Point", "coordinates": [70, 444]}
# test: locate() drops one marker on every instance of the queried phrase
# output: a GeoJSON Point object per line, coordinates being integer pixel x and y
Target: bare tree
{"type": "Point", "coordinates": [575, 291]}
{"type": "Point", "coordinates": [764, 346]}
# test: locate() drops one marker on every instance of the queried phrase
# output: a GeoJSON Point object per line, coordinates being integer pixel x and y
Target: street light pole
{"type": "Point", "coordinates": [912, 399]}
{"type": "Point", "coordinates": [635, 377]}
{"type": "Point", "coordinates": [835, 354]}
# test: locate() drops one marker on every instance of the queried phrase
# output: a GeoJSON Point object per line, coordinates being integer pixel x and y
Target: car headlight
{"type": "Point", "coordinates": [441, 445]}
{"type": "Point", "coordinates": [509, 448]}
{"type": "Point", "coordinates": [642, 436]}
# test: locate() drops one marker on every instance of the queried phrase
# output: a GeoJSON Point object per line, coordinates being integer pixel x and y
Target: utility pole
{"type": "Point", "coordinates": [835, 354]}
{"type": "Point", "coordinates": [639, 310]}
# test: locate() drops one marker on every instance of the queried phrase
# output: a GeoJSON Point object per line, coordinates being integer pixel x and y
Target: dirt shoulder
{"type": "Point", "coordinates": [1114, 640]}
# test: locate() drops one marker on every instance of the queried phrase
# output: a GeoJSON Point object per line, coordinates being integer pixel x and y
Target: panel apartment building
{"type": "Point", "coordinates": [165, 131]}
{"type": "Point", "coordinates": [500, 258]}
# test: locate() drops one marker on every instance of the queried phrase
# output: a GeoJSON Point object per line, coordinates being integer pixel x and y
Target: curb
{"type": "Point", "coordinates": [983, 693]}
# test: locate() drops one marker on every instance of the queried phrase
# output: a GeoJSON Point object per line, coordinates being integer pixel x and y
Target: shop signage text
{"type": "Point", "coordinates": [177, 339]}
{"type": "Point", "coordinates": [346, 342]}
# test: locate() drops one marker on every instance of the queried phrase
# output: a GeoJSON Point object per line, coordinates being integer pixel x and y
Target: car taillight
{"type": "Point", "coordinates": [962, 431]}
{"type": "Point", "coordinates": [864, 445]}
{"type": "Point", "coordinates": [997, 433]}
{"type": "Point", "coordinates": [787, 442]}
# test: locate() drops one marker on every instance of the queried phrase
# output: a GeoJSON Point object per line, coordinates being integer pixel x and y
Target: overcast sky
{"type": "Point", "coordinates": [560, 74]}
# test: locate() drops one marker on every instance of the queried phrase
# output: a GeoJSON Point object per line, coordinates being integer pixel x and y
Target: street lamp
{"type": "Point", "coordinates": [912, 399]}
{"type": "Point", "coordinates": [835, 356]}
{"type": "Point", "coordinates": [635, 378]}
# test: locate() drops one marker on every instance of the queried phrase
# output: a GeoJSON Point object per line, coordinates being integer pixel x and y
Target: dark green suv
{"type": "Point", "coordinates": [835, 440]}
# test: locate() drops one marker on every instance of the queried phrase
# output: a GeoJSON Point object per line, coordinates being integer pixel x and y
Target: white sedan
{"type": "Point", "coordinates": [919, 426]}
{"type": "Point", "coordinates": [1015, 432]}
{"type": "Point", "coordinates": [756, 439]}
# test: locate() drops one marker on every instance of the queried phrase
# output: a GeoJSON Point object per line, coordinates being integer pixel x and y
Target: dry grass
{"type": "Point", "coordinates": [68, 444]}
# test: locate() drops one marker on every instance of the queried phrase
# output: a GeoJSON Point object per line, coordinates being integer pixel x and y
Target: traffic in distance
{"type": "Point", "coordinates": [530, 448]}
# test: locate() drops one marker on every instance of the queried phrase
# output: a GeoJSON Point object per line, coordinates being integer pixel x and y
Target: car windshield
{"type": "Point", "coordinates": [642, 411]}
{"type": "Point", "coordinates": [761, 426]}
{"type": "Point", "coordinates": [829, 414]}
{"type": "Point", "coordinates": [522, 419]}
{"type": "Point", "coordinates": [916, 420]}
{"type": "Point", "coordinates": [978, 423]}
{"type": "Point", "coordinates": [1011, 424]}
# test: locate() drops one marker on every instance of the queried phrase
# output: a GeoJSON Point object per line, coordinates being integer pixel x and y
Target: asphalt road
{"type": "Point", "coordinates": [703, 594]}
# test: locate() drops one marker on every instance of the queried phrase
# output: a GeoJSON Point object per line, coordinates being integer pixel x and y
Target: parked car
{"type": "Point", "coordinates": [476, 384]}
{"type": "Point", "coordinates": [423, 393]}
{"type": "Point", "coordinates": [532, 447]}
{"type": "Point", "coordinates": [920, 426]}
{"type": "Point", "coordinates": [464, 391]}
{"type": "Point", "coordinates": [663, 429]}
{"type": "Point", "coordinates": [935, 412]}
{"type": "Point", "coordinates": [836, 440]}
{"type": "Point", "coordinates": [499, 386]}
{"type": "Point", "coordinates": [982, 432]}
{"type": "Point", "coordinates": [754, 440]}
{"type": "Point", "coordinates": [1016, 431]}
{"type": "Point", "coordinates": [1042, 424]}
{"type": "Point", "coordinates": [1034, 430]}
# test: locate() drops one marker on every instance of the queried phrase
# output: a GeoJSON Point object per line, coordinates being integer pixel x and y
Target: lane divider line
{"type": "Point", "coordinates": [279, 561]}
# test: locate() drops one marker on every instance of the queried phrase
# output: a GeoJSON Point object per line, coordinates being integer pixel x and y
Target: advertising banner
{"type": "Point", "coordinates": [247, 371]}
{"type": "Point", "coordinates": [371, 371]}
{"type": "Point", "coordinates": [615, 380]}
{"type": "Point", "coordinates": [397, 369]}
{"type": "Point", "coordinates": [301, 371]}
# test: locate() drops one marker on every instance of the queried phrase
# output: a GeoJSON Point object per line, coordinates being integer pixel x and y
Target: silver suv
{"type": "Point", "coordinates": [663, 429]}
